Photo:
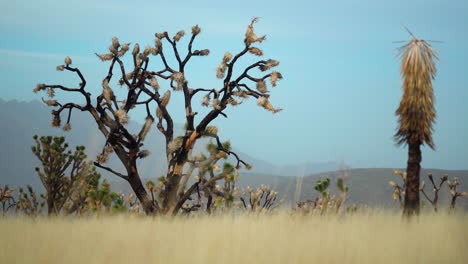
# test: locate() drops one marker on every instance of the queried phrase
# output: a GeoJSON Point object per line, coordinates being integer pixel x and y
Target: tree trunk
{"type": "Point", "coordinates": [411, 205]}
{"type": "Point", "coordinates": [208, 204]}
{"type": "Point", "coordinates": [452, 203]}
{"type": "Point", "coordinates": [50, 205]}
{"type": "Point", "coordinates": [137, 186]}
{"type": "Point", "coordinates": [170, 195]}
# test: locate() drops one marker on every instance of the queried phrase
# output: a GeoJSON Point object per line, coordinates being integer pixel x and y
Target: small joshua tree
{"type": "Point", "coordinates": [6, 198]}
{"type": "Point", "coordinates": [86, 180]}
{"type": "Point", "coordinates": [327, 200]}
{"type": "Point", "coordinates": [416, 113]}
{"type": "Point", "coordinates": [102, 199]}
{"type": "Point", "coordinates": [65, 175]}
{"type": "Point", "coordinates": [321, 186]}
{"type": "Point", "coordinates": [398, 191]}
{"type": "Point", "coordinates": [262, 199]}
{"type": "Point", "coordinates": [28, 202]}
{"type": "Point", "coordinates": [435, 188]}
{"type": "Point", "coordinates": [454, 193]}
{"type": "Point", "coordinates": [209, 169]}
{"type": "Point", "coordinates": [145, 88]}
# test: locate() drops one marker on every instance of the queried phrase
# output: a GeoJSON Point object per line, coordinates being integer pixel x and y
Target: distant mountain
{"type": "Point", "coordinates": [302, 169]}
{"type": "Point", "coordinates": [366, 186]}
{"type": "Point", "coordinates": [22, 120]}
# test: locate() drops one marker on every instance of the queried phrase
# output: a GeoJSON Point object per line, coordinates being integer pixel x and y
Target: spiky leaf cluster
{"type": "Point", "coordinates": [416, 113]}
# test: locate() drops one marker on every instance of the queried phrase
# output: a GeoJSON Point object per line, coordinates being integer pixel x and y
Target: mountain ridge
{"type": "Point", "coordinates": [17, 162]}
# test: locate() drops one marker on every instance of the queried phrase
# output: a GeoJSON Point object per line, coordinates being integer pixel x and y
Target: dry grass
{"type": "Point", "coordinates": [376, 237]}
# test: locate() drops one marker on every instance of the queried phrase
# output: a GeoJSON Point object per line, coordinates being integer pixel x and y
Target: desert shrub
{"type": "Point", "coordinates": [399, 189]}
{"type": "Point", "coordinates": [28, 203]}
{"type": "Point", "coordinates": [103, 200]}
{"type": "Point", "coordinates": [262, 199]}
{"type": "Point", "coordinates": [327, 202]}
{"type": "Point", "coordinates": [206, 168]}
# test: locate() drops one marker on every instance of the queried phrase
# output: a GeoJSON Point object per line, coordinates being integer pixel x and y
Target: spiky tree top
{"type": "Point", "coordinates": [416, 111]}
{"type": "Point", "coordinates": [144, 88]}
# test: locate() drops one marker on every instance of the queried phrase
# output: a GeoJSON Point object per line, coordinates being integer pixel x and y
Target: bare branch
{"type": "Point", "coordinates": [111, 170]}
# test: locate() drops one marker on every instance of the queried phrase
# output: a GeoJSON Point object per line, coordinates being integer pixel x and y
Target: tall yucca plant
{"type": "Point", "coordinates": [416, 112]}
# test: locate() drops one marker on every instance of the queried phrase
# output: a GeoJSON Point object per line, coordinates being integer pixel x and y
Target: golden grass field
{"type": "Point", "coordinates": [375, 237]}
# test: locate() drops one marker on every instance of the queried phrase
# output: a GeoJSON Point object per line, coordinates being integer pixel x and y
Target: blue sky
{"type": "Point", "coordinates": [342, 80]}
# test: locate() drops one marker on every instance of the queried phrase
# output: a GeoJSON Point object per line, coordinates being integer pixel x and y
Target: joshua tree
{"type": "Point", "coordinates": [321, 186]}
{"type": "Point", "coordinates": [416, 113]}
{"type": "Point", "coordinates": [208, 170]}
{"type": "Point", "coordinates": [435, 188]}
{"type": "Point", "coordinates": [398, 191]}
{"type": "Point", "coordinates": [65, 175]}
{"type": "Point", "coordinates": [6, 198]}
{"type": "Point", "coordinates": [28, 203]}
{"type": "Point", "coordinates": [102, 199]}
{"type": "Point", "coordinates": [261, 200]}
{"type": "Point", "coordinates": [143, 90]}
{"type": "Point", "coordinates": [454, 193]}
{"type": "Point", "coordinates": [327, 200]}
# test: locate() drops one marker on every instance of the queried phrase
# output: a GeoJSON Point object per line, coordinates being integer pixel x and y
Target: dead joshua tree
{"type": "Point", "coordinates": [416, 113]}
{"type": "Point", "coordinates": [454, 193]}
{"type": "Point", "coordinates": [435, 188]}
{"type": "Point", "coordinates": [143, 89]}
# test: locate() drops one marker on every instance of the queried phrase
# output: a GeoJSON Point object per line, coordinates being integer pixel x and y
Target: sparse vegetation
{"type": "Point", "coordinates": [327, 202]}
{"type": "Point", "coordinates": [196, 211]}
{"type": "Point", "coordinates": [263, 199]}
{"type": "Point", "coordinates": [28, 203]}
{"type": "Point", "coordinates": [399, 190]}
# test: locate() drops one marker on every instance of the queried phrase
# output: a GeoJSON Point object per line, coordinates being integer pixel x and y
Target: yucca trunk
{"type": "Point", "coordinates": [50, 205]}
{"type": "Point", "coordinates": [412, 204]}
